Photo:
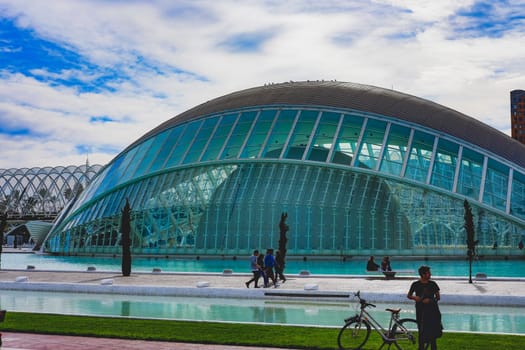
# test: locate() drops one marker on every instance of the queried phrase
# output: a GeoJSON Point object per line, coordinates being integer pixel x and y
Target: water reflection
{"type": "Point", "coordinates": [330, 314]}
{"type": "Point", "coordinates": [125, 310]}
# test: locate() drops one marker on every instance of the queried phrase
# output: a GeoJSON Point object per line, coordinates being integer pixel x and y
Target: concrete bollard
{"type": "Point", "coordinates": [21, 279]}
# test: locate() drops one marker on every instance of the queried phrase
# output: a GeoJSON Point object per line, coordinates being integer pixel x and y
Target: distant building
{"type": "Point", "coordinates": [517, 110]}
{"type": "Point", "coordinates": [32, 198]}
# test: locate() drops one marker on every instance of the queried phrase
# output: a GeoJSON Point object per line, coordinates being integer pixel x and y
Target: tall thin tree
{"type": "Point", "coordinates": [125, 230]}
{"type": "Point", "coordinates": [471, 242]}
{"type": "Point", "coordinates": [283, 228]}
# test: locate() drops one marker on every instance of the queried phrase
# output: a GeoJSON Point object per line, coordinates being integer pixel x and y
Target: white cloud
{"type": "Point", "coordinates": [169, 56]}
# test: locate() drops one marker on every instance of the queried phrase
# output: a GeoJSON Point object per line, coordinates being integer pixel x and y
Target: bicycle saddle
{"type": "Point", "coordinates": [394, 311]}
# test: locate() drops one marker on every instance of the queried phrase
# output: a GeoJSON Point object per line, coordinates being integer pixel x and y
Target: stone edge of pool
{"type": "Point", "coordinates": [262, 293]}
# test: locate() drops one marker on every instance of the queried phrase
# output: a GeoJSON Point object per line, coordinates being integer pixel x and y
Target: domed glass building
{"type": "Point", "coordinates": [359, 169]}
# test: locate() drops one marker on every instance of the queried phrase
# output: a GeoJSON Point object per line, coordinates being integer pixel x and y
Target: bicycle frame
{"type": "Point", "coordinates": [395, 328]}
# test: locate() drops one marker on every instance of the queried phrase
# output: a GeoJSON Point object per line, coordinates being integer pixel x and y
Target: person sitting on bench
{"type": "Point", "coordinates": [371, 265]}
{"type": "Point", "coordinates": [385, 264]}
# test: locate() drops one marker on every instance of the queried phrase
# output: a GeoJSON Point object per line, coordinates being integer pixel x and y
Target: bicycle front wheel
{"type": "Point", "coordinates": [406, 334]}
{"type": "Point", "coordinates": [353, 335]}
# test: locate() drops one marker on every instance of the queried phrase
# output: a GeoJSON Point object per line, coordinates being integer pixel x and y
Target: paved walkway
{"type": "Point", "coordinates": [25, 341]}
{"type": "Point", "coordinates": [374, 288]}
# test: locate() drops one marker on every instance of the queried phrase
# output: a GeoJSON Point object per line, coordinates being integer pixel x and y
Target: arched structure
{"type": "Point", "coordinates": [30, 193]}
{"type": "Point", "coordinates": [36, 196]}
{"type": "Point", "coordinates": [359, 169]}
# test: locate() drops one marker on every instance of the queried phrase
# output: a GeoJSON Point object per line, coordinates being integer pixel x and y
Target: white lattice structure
{"type": "Point", "coordinates": [28, 193]}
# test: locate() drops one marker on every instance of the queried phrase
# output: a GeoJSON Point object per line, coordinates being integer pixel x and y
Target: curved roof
{"type": "Point", "coordinates": [363, 98]}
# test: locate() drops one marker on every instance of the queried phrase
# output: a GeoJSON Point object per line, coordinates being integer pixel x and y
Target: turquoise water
{"type": "Point", "coordinates": [457, 268]}
{"type": "Point", "coordinates": [328, 314]}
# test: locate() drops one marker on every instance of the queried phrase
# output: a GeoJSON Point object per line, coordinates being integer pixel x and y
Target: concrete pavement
{"type": "Point", "coordinates": [490, 291]}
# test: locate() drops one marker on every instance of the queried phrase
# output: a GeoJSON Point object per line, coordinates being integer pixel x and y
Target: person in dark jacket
{"type": "Point", "coordinates": [279, 267]}
{"type": "Point", "coordinates": [425, 293]}
{"type": "Point", "coordinates": [262, 273]}
{"type": "Point", "coordinates": [371, 265]}
{"type": "Point", "coordinates": [269, 265]}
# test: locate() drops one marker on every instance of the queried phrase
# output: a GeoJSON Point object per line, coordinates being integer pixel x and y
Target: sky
{"type": "Point", "coordinates": [82, 79]}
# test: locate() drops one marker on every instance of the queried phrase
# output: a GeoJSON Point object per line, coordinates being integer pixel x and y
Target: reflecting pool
{"type": "Point", "coordinates": [458, 268]}
{"type": "Point", "coordinates": [324, 313]}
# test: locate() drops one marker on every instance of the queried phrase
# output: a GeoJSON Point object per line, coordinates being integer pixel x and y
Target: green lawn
{"type": "Point", "coordinates": [224, 333]}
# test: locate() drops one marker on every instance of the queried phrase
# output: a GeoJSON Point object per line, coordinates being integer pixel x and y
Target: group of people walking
{"type": "Point", "coordinates": [269, 267]}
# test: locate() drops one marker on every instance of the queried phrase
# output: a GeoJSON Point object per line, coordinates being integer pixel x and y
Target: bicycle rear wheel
{"type": "Point", "coordinates": [353, 335]}
{"type": "Point", "coordinates": [406, 336]}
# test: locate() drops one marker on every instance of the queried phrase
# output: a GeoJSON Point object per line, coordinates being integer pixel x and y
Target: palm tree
{"type": "Point", "coordinates": [43, 194]}
{"type": "Point", "coordinates": [471, 243]}
{"type": "Point", "coordinates": [69, 194]}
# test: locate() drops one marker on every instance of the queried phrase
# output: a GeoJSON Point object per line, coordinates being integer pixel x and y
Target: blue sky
{"type": "Point", "coordinates": [86, 78]}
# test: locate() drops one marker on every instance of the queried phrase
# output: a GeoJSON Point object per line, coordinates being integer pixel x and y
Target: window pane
{"type": "Point", "coordinates": [517, 200]}
{"type": "Point", "coordinates": [301, 134]}
{"type": "Point", "coordinates": [200, 140]}
{"type": "Point", "coordinates": [345, 146]}
{"type": "Point", "coordinates": [238, 136]}
{"type": "Point", "coordinates": [138, 158]}
{"type": "Point", "coordinates": [165, 150]}
{"type": "Point", "coordinates": [185, 141]}
{"type": "Point", "coordinates": [156, 146]}
{"type": "Point", "coordinates": [445, 164]}
{"type": "Point", "coordinates": [324, 136]}
{"type": "Point", "coordinates": [219, 137]}
{"type": "Point", "coordinates": [496, 184]}
{"type": "Point", "coordinates": [420, 156]}
{"type": "Point", "coordinates": [469, 181]}
{"type": "Point", "coordinates": [371, 144]}
{"type": "Point", "coordinates": [395, 151]}
{"type": "Point", "coordinates": [280, 133]}
{"type": "Point", "coordinates": [117, 170]}
{"type": "Point", "coordinates": [259, 133]}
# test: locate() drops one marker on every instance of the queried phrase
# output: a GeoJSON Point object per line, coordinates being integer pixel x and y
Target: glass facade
{"type": "Point", "coordinates": [352, 182]}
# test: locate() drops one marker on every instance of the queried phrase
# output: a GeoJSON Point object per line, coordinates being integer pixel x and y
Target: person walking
{"type": "Point", "coordinates": [262, 273]}
{"type": "Point", "coordinates": [279, 267]}
{"type": "Point", "coordinates": [425, 293]}
{"type": "Point", "coordinates": [255, 268]}
{"type": "Point", "coordinates": [269, 264]}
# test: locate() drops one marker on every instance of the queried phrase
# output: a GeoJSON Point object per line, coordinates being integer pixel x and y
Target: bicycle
{"type": "Point", "coordinates": [400, 333]}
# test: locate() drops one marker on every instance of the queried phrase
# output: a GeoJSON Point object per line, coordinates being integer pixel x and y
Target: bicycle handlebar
{"type": "Point", "coordinates": [363, 301]}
